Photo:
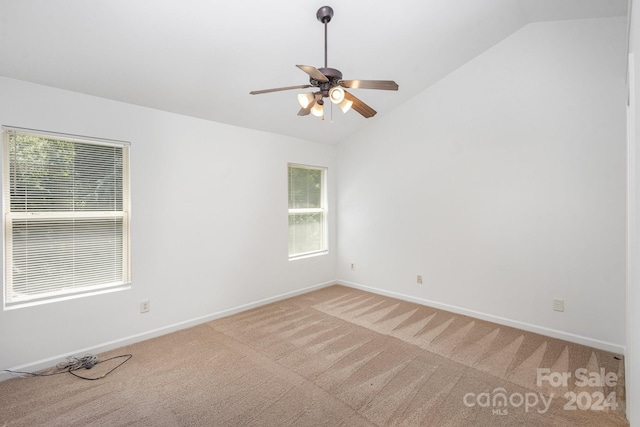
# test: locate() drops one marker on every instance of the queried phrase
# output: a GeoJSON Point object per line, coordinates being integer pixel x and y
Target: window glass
{"type": "Point", "coordinates": [307, 210]}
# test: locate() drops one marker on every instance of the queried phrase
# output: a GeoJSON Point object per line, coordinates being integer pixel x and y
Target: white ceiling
{"type": "Point", "coordinates": [202, 57]}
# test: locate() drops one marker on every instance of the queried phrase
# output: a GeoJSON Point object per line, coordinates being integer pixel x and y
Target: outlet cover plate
{"type": "Point", "coordinates": [558, 305]}
{"type": "Point", "coordinates": [145, 306]}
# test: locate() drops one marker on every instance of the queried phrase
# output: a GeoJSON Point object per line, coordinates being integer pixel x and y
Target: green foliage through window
{"type": "Point", "coordinates": [57, 175]}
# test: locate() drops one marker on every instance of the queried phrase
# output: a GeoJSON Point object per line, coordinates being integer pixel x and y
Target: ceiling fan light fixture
{"type": "Point", "coordinates": [345, 105]}
{"type": "Point", "coordinates": [328, 83]}
{"type": "Point", "coordinates": [336, 95]}
{"type": "Point", "coordinates": [317, 110]}
{"type": "Point", "coordinates": [305, 99]}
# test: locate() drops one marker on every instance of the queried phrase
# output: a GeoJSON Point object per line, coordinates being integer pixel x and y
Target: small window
{"type": "Point", "coordinates": [307, 211]}
{"type": "Point", "coordinates": [66, 216]}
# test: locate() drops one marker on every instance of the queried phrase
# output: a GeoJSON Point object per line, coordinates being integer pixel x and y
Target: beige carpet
{"type": "Point", "coordinates": [337, 356]}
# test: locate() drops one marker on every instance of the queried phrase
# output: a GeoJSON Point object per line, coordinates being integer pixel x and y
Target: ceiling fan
{"type": "Point", "coordinates": [329, 84]}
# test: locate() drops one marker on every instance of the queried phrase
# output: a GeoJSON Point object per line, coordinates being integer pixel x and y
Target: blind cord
{"type": "Point", "coordinates": [74, 364]}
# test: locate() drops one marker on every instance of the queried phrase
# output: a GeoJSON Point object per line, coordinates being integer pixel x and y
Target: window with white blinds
{"type": "Point", "coordinates": [66, 215]}
{"type": "Point", "coordinates": [307, 211]}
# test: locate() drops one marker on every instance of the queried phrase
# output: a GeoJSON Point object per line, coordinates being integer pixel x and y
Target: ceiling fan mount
{"type": "Point", "coordinates": [324, 14]}
{"type": "Point", "coordinates": [330, 84]}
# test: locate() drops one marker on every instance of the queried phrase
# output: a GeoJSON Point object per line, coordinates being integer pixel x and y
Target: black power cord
{"type": "Point", "coordinates": [74, 364]}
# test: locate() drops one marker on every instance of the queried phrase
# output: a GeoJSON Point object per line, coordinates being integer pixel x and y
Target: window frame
{"type": "Point", "coordinates": [323, 210]}
{"type": "Point", "coordinates": [9, 217]}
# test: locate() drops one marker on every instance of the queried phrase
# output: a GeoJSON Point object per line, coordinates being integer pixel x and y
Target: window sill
{"type": "Point", "coordinates": [65, 297]}
{"type": "Point", "coordinates": [308, 255]}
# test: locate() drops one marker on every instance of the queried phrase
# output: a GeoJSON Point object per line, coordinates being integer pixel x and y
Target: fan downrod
{"type": "Point", "coordinates": [324, 14]}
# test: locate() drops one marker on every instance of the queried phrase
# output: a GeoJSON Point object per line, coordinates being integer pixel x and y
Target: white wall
{"type": "Point", "coordinates": [209, 223]}
{"type": "Point", "coordinates": [503, 185]}
{"type": "Point", "coordinates": [632, 359]}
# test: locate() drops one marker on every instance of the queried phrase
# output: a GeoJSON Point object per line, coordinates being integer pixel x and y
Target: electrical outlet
{"type": "Point", "coordinates": [419, 279]}
{"type": "Point", "coordinates": [353, 265]}
{"type": "Point", "coordinates": [145, 306]}
{"type": "Point", "coordinates": [558, 305]}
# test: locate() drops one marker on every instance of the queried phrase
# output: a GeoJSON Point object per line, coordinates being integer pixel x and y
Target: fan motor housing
{"type": "Point", "coordinates": [331, 73]}
{"type": "Point", "coordinates": [334, 77]}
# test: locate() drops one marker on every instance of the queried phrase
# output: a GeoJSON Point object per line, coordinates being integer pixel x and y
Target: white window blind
{"type": "Point", "coordinates": [307, 211]}
{"type": "Point", "coordinates": [66, 215]}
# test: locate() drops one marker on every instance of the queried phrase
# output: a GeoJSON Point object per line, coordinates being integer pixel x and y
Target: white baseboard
{"type": "Point", "coordinates": [100, 348]}
{"type": "Point", "coordinates": [553, 333]}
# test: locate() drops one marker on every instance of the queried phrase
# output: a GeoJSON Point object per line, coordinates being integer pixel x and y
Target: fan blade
{"type": "Point", "coordinates": [258, 92]}
{"type": "Point", "coordinates": [313, 72]}
{"type": "Point", "coordinates": [360, 106]}
{"type": "Point", "coordinates": [370, 84]}
{"type": "Point", "coordinates": [306, 111]}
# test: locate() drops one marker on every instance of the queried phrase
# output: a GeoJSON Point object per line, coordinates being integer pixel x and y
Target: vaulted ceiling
{"type": "Point", "coordinates": [202, 57]}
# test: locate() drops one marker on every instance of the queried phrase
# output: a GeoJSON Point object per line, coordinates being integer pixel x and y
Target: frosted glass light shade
{"type": "Point", "coordinates": [304, 99]}
{"type": "Point", "coordinates": [336, 94]}
{"type": "Point", "coordinates": [317, 110]}
{"type": "Point", "coordinates": [345, 105]}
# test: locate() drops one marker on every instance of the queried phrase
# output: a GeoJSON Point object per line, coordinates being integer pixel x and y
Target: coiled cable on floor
{"type": "Point", "coordinates": [74, 364]}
